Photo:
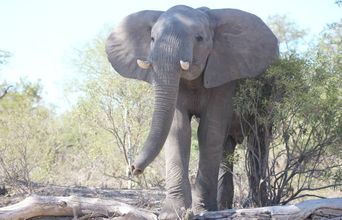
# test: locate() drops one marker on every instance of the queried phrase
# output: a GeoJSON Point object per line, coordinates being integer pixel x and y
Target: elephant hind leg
{"type": "Point", "coordinates": [225, 188]}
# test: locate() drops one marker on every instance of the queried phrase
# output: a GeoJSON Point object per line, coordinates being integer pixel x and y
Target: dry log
{"type": "Point", "coordinates": [312, 209]}
{"type": "Point", "coordinates": [91, 208]}
{"type": "Point", "coordinates": [78, 207]}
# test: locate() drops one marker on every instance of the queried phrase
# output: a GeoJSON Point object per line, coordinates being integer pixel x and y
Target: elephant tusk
{"type": "Point", "coordinates": [143, 64]}
{"type": "Point", "coordinates": [185, 65]}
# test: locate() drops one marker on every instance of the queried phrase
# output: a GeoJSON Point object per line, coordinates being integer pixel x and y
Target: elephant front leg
{"type": "Point", "coordinates": [177, 153]}
{"type": "Point", "coordinates": [210, 146]}
{"type": "Point", "coordinates": [212, 133]}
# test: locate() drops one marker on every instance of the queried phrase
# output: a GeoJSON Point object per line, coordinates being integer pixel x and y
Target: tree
{"type": "Point", "coordinates": [293, 114]}
{"type": "Point", "coordinates": [288, 33]}
{"type": "Point", "coordinates": [24, 134]}
{"type": "Point", "coordinates": [258, 132]}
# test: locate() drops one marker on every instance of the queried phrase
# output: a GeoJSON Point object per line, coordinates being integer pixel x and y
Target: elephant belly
{"type": "Point", "coordinates": [199, 101]}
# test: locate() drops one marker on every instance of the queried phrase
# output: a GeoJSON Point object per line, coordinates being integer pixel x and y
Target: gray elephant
{"type": "Point", "coordinates": [193, 58]}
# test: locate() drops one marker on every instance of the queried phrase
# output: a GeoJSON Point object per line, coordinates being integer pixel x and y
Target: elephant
{"type": "Point", "coordinates": [194, 59]}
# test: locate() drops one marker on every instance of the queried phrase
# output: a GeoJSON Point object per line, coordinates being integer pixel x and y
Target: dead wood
{"type": "Point", "coordinates": [77, 207]}
{"type": "Point", "coordinates": [311, 209]}
{"type": "Point", "coordinates": [93, 208]}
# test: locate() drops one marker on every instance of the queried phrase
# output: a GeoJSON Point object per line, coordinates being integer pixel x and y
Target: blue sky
{"type": "Point", "coordinates": [43, 35]}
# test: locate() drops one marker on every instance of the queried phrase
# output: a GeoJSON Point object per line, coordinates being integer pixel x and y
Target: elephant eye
{"type": "Point", "coordinates": [199, 38]}
{"type": "Point", "coordinates": [152, 39]}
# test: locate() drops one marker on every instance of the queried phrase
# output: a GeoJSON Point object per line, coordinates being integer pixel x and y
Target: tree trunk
{"type": "Point", "coordinates": [225, 186]}
{"type": "Point", "coordinates": [257, 164]}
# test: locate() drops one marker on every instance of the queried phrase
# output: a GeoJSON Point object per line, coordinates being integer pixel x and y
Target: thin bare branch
{"type": "Point", "coordinates": [5, 91]}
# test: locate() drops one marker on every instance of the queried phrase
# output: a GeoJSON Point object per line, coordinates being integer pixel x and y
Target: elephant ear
{"type": "Point", "coordinates": [130, 41]}
{"type": "Point", "coordinates": [243, 46]}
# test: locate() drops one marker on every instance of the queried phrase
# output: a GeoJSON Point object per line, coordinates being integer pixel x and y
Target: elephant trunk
{"type": "Point", "coordinates": [164, 107]}
{"type": "Point", "coordinates": [167, 61]}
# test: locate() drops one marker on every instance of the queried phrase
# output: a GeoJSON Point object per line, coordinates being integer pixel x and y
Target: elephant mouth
{"type": "Point", "coordinates": [145, 64]}
{"type": "Point", "coordinates": [196, 69]}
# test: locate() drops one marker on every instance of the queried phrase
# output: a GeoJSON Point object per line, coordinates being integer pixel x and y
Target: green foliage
{"type": "Point", "coordinates": [300, 99]}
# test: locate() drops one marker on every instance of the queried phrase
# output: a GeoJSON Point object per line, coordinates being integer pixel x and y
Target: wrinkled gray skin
{"type": "Point", "coordinates": [220, 46]}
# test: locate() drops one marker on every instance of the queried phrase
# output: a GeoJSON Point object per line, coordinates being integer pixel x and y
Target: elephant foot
{"type": "Point", "coordinates": [198, 209]}
{"type": "Point", "coordinates": [199, 206]}
{"type": "Point", "coordinates": [174, 209]}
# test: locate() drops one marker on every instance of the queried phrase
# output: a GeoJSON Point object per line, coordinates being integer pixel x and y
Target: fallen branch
{"type": "Point", "coordinates": [315, 209]}
{"type": "Point", "coordinates": [91, 208]}
{"type": "Point", "coordinates": [76, 207]}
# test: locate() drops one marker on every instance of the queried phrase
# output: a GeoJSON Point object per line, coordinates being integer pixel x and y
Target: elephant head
{"type": "Point", "coordinates": [160, 48]}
